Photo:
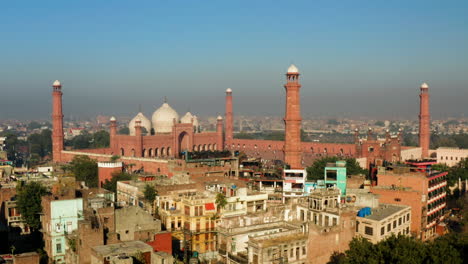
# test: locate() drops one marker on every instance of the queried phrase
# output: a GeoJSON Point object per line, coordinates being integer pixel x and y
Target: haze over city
{"type": "Point", "coordinates": [354, 60]}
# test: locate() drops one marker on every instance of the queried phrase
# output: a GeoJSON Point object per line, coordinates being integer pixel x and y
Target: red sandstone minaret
{"type": "Point", "coordinates": [112, 136]}
{"type": "Point", "coordinates": [424, 121]}
{"type": "Point", "coordinates": [292, 120]}
{"type": "Point", "coordinates": [57, 122]}
{"type": "Point", "coordinates": [219, 133]}
{"type": "Point", "coordinates": [139, 139]}
{"type": "Point", "coordinates": [229, 121]}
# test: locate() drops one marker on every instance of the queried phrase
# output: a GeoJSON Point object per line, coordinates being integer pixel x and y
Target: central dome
{"type": "Point", "coordinates": [163, 119]}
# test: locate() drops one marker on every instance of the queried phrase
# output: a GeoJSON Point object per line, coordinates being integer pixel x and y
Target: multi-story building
{"type": "Point", "coordinates": [451, 156]}
{"type": "Point", "coordinates": [282, 246]}
{"type": "Point", "coordinates": [60, 217]}
{"type": "Point", "coordinates": [418, 186]}
{"type": "Point", "coordinates": [294, 183]}
{"type": "Point", "coordinates": [239, 200]}
{"type": "Point", "coordinates": [191, 216]}
{"type": "Point", "coordinates": [383, 221]}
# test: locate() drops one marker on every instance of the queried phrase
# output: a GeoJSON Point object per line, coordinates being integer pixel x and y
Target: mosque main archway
{"type": "Point", "coordinates": [184, 142]}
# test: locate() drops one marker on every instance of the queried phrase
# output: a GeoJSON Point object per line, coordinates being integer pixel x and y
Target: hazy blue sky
{"type": "Point", "coordinates": [356, 57]}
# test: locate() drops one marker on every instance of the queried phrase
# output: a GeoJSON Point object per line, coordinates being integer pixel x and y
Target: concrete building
{"type": "Point", "coordinates": [283, 246]}
{"type": "Point", "coordinates": [122, 253]}
{"type": "Point", "coordinates": [133, 223]}
{"type": "Point", "coordinates": [59, 218]}
{"type": "Point", "coordinates": [190, 216]}
{"type": "Point", "coordinates": [384, 221]}
{"type": "Point", "coordinates": [335, 175]}
{"type": "Point", "coordinates": [451, 156]}
{"type": "Point", "coordinates": [233, 241]}
{"type": "Point", "coordinates": [419, 187]}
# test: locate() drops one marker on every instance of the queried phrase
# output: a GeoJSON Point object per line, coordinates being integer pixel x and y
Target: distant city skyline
{"type": "Point", "coordinates": [367, 60]}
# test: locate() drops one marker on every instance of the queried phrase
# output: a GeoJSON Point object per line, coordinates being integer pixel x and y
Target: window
{"type": "Point", "coordinates": [407, 217]}
{"type": "Point", "coordinates": [59, 248]}
{"type": "Point", "coordinates": [394, 224]}
{"type": "Point", "coordinates": [389, 227]}
{"type": "Point", "coordinates": [399, 221]}
{"type": "Point", "coordinates": [369, 230]}
{"type": "Point", "coordinates": [382, 230]}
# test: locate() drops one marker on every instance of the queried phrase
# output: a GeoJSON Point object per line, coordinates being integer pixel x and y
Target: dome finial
{"type": "Point", "coordinates": [293, 69]}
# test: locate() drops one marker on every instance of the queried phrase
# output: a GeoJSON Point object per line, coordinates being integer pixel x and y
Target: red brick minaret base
{"type": "Point", "coordinates": [424, 121]}
{"type": "Point", "coordinates": [292, 120]}
{"type": "Point", "coordinates": [229, 121]}
{"type": "Point", "coordinates": [57, 122]}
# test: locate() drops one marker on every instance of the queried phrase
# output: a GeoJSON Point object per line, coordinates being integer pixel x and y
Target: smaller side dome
{"type": "Point", "coordinates": [219, 118]}
{"type": "Point", "coordinates": [293, 69]}
{"type": "Point", "coordinates": [57, 83]}
{"type": "Point", "coordinates": [187, 118]}
{"type": "Point", "coordinates": [424, 85]}
{"type": "Point", "coordinates": [144, 122]}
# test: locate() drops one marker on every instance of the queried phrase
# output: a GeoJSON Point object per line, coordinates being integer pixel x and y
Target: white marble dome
{"type": "Point", "coordinates": [57, 83]}
{"type": "Point", "coordinates": [424, 85]}
{"type": "Point", "coordinates": [293, 69]}
{"type": "Point", "coordinates": [187, 118]}
{"type": "Point", "coordinates": [145, 122]}
{"type": "Point", "coordinates": [163, 119]}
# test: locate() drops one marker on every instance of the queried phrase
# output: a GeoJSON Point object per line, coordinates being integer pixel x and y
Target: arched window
{"type": "Point", "coordinates": [209, 147]}
{"type": "Point", "coordinates": [162, 153]}
{"type": "Point", "coordinates": [156, 152]}
{"type": "Point", "coordinates": [122, 152]}
{"type": "Point", "coordinates": [150, 152]}
{"type": "Point", "coordinates": [169, 151]}
{"type": "Point", "coordinates": [133, 152]}
{"type": "Point", "coordinates": [214, 146]}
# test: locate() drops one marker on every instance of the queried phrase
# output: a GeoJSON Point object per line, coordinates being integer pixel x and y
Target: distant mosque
{"type": "Point", "coordinates": [163, 120]}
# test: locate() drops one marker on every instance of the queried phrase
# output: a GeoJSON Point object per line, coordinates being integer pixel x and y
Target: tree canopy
{"type": "Point", "coordinates": [85, 169]}
{"type": "Point", "coordinates": [404, 249]}
{"type": "Point", "coordinates": [150, 193]}
{"type": "Point", "coordinates": [29, 203]}
{"type": "Point", "coordinates": [316, 170]}
{"type": "Point", "coordinates": [100, 139]}
{"type": "Point", "coordinates": [112, 184]}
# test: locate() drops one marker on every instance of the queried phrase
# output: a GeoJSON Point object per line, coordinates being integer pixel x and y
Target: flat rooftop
{"type": "Point", "coordinates": [129, 247]}
{"type": "Point", "coordinates": [384, 211]}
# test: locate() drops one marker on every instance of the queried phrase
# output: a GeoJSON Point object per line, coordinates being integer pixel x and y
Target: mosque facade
{"type": "Point", "coordinates": [167, 135]}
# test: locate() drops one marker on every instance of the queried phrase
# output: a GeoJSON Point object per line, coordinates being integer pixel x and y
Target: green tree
{"type": "Point", "coordinates": [150, 193]}
{"type": "Point", "coordinates": [316, 170]}
{"type": "Point", "coordinates": [85, 169]}
{"type": "Point", "coordinates": [41, 143]}
{"type": "Point", "coordinates": [101, 139]}
{"type": "Point", "coordinates": [404, 249]}
{"type": "Point", "coordinates": [112, 184]}
{"type": "Point", "coordinates": [124, 131]}
{"type": "Point", "coordinates": [220, 201]}
{"type": "Point", "coordinates": [34, 125]}
{"type": "Point", "coordinates": [29, 203]}
{"type": "Point", "coordinates": [379, 123]}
